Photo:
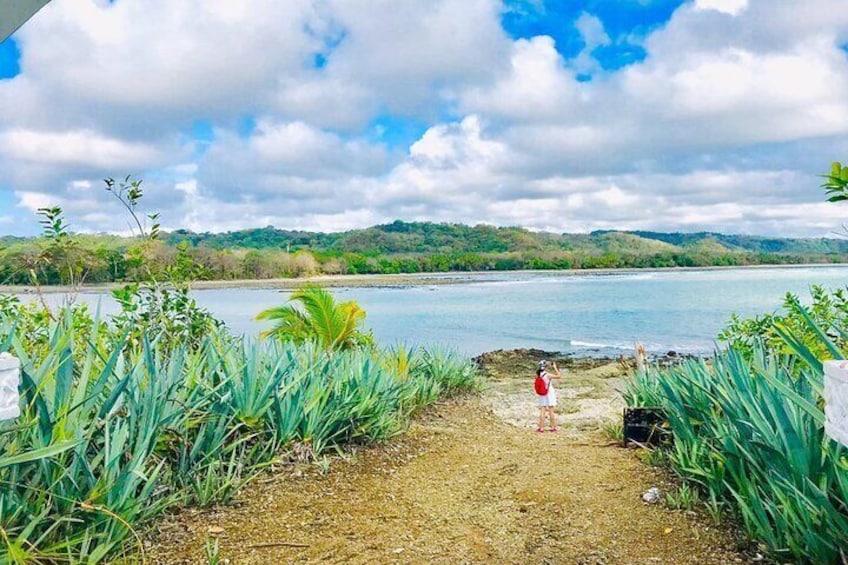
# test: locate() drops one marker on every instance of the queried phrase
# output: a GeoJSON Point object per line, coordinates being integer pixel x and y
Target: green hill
{"type": "Point", "coordinates": [623, 242]}
{"type": "Point", "coordinates": [426, 237]}
{"type": "Point", "coordinates": [757, 244]}
{"type": "Point", "coordinates": [708, 245]}
{"type": "Point", "coordinates": [410, 247]}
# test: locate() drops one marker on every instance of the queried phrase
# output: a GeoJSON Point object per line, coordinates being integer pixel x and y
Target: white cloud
{"type": "Point", "coordinates": [536, 87]}
{"type": "Point", "coordinates": [290, 162]}
{"type": "Point", "coordinates": [724, 125]}
{"type": "Point", "coordinates": [298, 146]}
{"type": "Point", "coordinates": [452, 164]}
{"type": "Point", "coordinates": [408, 54]}
{"type": "Point", "coordinates": [593, 34]}
{"type": "Point", "coordinates": [165, 65]}
{"type": "Point", "coordinates": [134, 65]}
{"type": "Point", "coordinates": [738, 96]}
{"type": "Point", "coordinates": [731, 7]}
{"type": "Point", "coordinates": [32, 201]}
{"type": "Point", "coordinates": [77, 147]}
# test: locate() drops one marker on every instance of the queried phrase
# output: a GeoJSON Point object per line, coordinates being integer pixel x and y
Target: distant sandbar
{"type": "Point", "coordinates": [399, 280]}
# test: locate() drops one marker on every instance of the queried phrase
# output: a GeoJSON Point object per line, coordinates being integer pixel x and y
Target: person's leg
{"type": "Point", "coordinates": [552, 416]}
{"type": "Point", "coordinates": [542, 411]}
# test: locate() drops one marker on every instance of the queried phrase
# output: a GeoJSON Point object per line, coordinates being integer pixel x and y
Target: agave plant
{"type": "Point", "coordinates": [335, 326]}
{"type": "Point", "coordinates": [749, 432]}
{"type": "Point", "coordinates": [109, 436]}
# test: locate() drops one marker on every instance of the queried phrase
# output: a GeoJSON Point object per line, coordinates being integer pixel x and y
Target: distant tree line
{"type": "Point", "coordinates": [400, 247]}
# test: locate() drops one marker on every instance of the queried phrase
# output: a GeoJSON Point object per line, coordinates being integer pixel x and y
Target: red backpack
{"type": "Point", "coordinates": [540, 385]}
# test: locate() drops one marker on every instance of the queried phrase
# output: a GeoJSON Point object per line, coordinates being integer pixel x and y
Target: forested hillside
{"type": "Point", "coordinates": [426, 237]}
{"type": "Point", "coordinates": [406, 247]}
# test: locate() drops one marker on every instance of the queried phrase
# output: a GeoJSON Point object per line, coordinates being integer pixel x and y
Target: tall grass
{"type": "Point", "coordinates": [110, 435]}
{"type": "Point", "coordinates": [749, 430]}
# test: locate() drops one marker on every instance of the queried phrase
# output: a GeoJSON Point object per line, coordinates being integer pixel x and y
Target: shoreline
{"type": "Point", "coordinates": [592, 358]}
{"type": "Point", "coordinates": [399, 280]}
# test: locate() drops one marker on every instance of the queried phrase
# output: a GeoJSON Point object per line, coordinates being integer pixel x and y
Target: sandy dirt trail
{"type": "Point", "coordinates": [464, 485]}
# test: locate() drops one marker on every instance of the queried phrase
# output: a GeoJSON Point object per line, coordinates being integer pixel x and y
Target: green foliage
{"type": "Point", "coordinates": [749, 426]}
{"type": "Point", "coordinates": [836, 183]}
{"type": "Point", "coordinates": [34, 320]}
{"type": "Point", "coordinates": [129, 193]}
{"type": "Point", "coordinates": [110, 434]}
{"type": "Point", "coordinates": [613, 430]}
{"type": "Point", "coordinates": [163, 313]}
{"type": "Point", "coordinates": [685, 497]}
{"type": "Point", "coordinates": [653, 457]}
{"type": "Point", "coordinates": [318, 318]}
{"type": "Point", "coordinates": [399, 247]}
{"type": "Point", "coordinates": [749, 434]}
{"type": "Point", "coordinates": [152, 309]}
{"type": "Point", "coordinates": [212, 552]}
{"type": "Point", "coordinates": [60, 255]}
{"type": "Point", "coordinates": [160, 405]}
{"type": "Point", "coordinates": [828, 309]}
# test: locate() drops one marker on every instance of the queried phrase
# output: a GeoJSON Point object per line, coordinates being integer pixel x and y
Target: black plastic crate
{"type": "Point", "coordinates": [646, 426]}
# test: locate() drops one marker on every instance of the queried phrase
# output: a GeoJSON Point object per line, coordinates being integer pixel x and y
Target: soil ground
{"type": "Point", "coordinates": [470, 482]}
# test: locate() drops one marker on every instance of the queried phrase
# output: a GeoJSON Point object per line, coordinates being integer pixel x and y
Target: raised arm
{"type": "Point", "coordinates": [556, 374]}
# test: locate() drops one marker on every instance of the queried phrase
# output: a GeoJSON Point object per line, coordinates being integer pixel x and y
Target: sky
{"type": "Point", "coordinates": [556, 115]}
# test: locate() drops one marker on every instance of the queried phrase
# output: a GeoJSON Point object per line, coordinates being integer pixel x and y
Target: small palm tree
{"type": "Point", "coordinates": [319, 318]}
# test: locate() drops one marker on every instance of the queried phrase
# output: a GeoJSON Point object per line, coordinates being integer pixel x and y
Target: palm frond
{"type": "Point", "coordinates": [313, 314]}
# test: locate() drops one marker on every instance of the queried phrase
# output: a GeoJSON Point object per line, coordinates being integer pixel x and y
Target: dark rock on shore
{"type": "Point", "coordinates": [524, 361]}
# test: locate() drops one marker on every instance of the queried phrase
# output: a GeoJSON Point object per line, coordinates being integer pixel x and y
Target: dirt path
{"type": "Point", "coordinates": [463, 486]}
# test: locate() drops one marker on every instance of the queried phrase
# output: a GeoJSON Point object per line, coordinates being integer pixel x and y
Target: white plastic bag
{"type": "Point", "coordinates": [10, 380]}
{"type": "Point", "coordinates": [836, 400]}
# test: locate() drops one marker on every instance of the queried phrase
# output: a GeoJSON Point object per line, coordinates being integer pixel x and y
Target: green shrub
{"type": "Point", "coordinates": [749, 432]}
{"type": "Point", "coordinates": [313, 314]}
{"type": "Point", "coordinates": [110, 434]}
{"type": "Point", "coordinates": [828, 309]}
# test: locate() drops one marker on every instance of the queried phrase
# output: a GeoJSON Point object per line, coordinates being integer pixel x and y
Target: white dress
{"type": "Point", "coordinates": [549, 399]}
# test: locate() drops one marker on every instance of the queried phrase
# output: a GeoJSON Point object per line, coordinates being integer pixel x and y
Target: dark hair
{"type": "Point", "coordinates": [538, 372]}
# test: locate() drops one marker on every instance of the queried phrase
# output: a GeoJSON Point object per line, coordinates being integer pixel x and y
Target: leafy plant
{"type": "Point", "coordinates": [160, 405]}
{"type": "Point", "coordinates": [654, 457]}
{"type": "Point", "coordinates": [684, 497]}
{"type": "Point", "coordinates": [749, 432]}
{"type": "Point", "coordinates": [828, 309]}
{"type": "Point", "coordinates": [213, 551]}
{"type": "Point", "coordinates": [110, 435]}
{"type": "Point", "coordinates": [163, 313]}
{"type": "Point", "coordinates": [836, 183]}
{"type": "Point", "coordinates": [60, 250]}
{"type": "Point", "coordinates": [613, 430]}
{"type": "Point", "coordinates": [129, 193]}
{"type": "Point", "coordinates": [319, 318]}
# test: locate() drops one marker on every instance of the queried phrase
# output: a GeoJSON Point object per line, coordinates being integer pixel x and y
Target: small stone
{"type": "Point", "coordinates": [652, 496]}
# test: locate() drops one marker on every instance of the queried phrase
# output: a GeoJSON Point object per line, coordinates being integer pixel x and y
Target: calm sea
{"type": "Point", "coordinates": [579, 313]}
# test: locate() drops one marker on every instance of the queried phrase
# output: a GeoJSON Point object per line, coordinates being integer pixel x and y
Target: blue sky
{"type": "Point", "coordinates": [626, 23]}
{"type": "Point", "coordinates": [553, 115]}
{"type": "Point", "coordinates": [9, 57]}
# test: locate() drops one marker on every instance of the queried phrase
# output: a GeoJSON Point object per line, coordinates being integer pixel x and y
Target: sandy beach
{"type": "Point", "coordinates": [398, 280]}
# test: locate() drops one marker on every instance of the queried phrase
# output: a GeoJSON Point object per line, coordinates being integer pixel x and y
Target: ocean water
{"type": "Point", "coordinates": [584, 313]}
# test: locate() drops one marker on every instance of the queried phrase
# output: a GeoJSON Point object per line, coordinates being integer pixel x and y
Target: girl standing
{"type": "Point", "coordinates": [548, 402]}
